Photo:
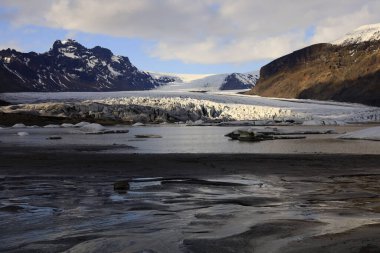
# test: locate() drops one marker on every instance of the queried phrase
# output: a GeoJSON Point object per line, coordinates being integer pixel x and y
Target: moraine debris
{"type": "Point", "coordinates": [147, 136]}
{"type": "Point", "coordinates": [54, 137]}
{"type": "Point", "coordinates": [268, 133]}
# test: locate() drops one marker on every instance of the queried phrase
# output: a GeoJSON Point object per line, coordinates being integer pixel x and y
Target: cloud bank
{"type": "Point", "coordinates": [203, 31]}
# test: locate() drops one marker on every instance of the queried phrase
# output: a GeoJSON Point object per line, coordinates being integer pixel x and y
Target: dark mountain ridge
{"type": "Point", "coordinates": [69, 66]}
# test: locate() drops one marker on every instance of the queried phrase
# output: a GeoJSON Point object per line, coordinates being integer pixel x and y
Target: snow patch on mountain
{"type": "Point", "coordinates": [362, 34]}
{"type": "Point", "coordinates": [71, 55]}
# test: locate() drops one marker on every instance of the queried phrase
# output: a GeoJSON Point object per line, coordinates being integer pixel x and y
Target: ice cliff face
{"type": "Point", "coordinates": [183, 109]}
{"type": "Point", "coordinates": [147, 109]}
{"type": "Point", "coordinates": [69, 66]}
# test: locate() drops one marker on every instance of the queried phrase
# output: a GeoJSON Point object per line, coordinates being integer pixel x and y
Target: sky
{"type": "Point", "coordinates": [184, 36]}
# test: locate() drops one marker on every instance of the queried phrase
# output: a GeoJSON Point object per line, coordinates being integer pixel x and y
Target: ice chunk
{"type": "Point", "coordinates": [52, 126]}
{"type": "Point", "coordinates": [81, 124]}
{"type": "Point", "coordinates": [67, 125]}
{"type": "Point", "coordinates": [18, 125]}
{"type": "Point", "coordinates": [22, 133]}
{"type": "Point", "coordinates": [93, 127]}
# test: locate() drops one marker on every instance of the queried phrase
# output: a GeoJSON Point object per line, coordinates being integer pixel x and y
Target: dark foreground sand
{"type": "Point", "coordinates": [64, 201]}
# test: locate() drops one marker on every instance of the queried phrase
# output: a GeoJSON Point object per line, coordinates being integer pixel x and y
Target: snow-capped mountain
{"type": "Point", "coordinates": [69, 66]}
{"type": "Point", "coordinates": [364, 33]}
{"type": "Point", "coordinates": [207, 82]}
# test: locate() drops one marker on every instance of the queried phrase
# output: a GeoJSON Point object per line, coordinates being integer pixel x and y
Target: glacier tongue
{"type": "Point", "coordinates": [149, 109]}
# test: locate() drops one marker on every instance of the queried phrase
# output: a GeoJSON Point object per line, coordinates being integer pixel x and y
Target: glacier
{"type": "Point", "coordinates": [179, 106]}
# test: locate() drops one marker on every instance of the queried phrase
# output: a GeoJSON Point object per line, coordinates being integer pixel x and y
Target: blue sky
{"type": "Point", "coordinates": [200, 36]}
{"type": "Point", "coordinates": [40, 39]}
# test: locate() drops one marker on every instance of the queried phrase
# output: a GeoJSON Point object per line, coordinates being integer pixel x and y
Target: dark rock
{"type": "Point", "coordinates": [121, 186]}
{"type": "Point", "coordinates": [54, 137]}
{"type": "Point", "coordinates": [11, 209]}
{"type": "Point", "coordinates": [147, 136]}
{"type": "Point", "coordinates": [268, 133]}
{"type": "Point", "coordinates": [4, 103]}
{"type": "Point", "coordinates": [196, 181]}
{"type": "Point", "coordinates": [110, 131]}
{"type": "Point", "coordinates": [166, 79]}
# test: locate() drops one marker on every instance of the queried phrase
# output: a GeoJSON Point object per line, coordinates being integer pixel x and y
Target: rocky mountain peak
{"type": "Point", "coordinates": [66, 46]}
{"type": "Point", "coordinates": [102, 52]}
{"type": "Point", "coordinates": [69, 66]}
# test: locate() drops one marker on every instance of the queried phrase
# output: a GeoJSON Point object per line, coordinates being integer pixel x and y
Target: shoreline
{"type": "Point", "coordinates": [88, 161]}
{"type": "Point", "coordinates": [188, 202]}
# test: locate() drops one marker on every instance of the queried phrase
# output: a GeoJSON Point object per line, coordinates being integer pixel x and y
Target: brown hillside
{"type": "Point", "coordinates": [325, 72]}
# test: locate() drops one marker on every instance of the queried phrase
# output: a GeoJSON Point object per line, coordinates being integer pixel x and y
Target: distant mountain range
{"type": "Point", "coordinates": [69, 66]}
{"type": "Point", "coordinates": [189, 82]}
{"type": "Point", "coordinates": [346, 70]}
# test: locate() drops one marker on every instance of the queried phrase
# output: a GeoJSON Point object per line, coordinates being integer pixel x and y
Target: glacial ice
{"type": "Point", "coordinates": [22, 134]}
{"type": "Point", "coordinates": [148, 106]}
{"type": "Point", "coordinates": [372, 133]}
{"type": "Point", "coordinates": [93, 128]}
{"type": "Point", "coordinates": [18, 125]}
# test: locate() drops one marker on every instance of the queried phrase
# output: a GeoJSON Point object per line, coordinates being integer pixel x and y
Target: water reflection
{"type": "Point", "coordinates": [79, 211]}
{"type": "Point", "coordinates": [180, 139]}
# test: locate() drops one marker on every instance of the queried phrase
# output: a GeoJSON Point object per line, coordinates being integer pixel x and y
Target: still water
{"type": "Point", "coordinates": [184, 139]}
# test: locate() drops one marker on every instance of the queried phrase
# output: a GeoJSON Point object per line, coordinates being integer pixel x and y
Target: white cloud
{"type": "Point", "coordinates": [210, 51]}
{"type": "Point", "coordinates": [204, 31]}
{"type": "Point", "coordinates": [334, 27]}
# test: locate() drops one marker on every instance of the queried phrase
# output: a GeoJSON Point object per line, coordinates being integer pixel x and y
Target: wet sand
{"type": "Point", "coordinates": [62, 200]}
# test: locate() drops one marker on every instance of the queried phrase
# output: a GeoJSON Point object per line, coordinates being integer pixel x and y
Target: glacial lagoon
{"type": "Point", "coordinates": [187, 139]}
